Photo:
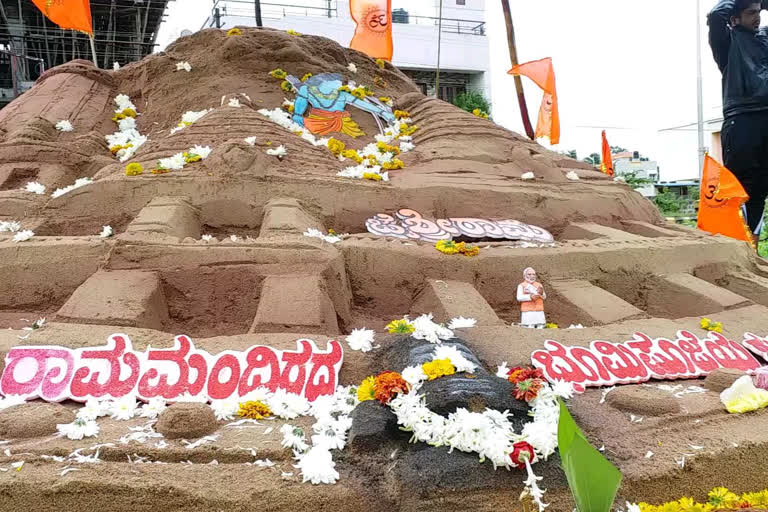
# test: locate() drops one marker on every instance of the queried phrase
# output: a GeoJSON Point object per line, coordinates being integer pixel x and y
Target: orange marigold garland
{"type": "Point", "coordinates": [526, 382]}
{"type": "Point", "coordinates": [387, 385]}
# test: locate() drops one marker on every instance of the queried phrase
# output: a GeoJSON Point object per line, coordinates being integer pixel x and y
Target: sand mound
{"type": "Point", "coordinates": [33, 420]}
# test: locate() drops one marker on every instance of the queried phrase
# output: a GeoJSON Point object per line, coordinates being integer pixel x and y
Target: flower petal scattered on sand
{"type": "Point", "coordinates": [35, 187]}
{"type": "Point", "coordinates": [462, 323]}
{"type": "Point", "coordinates": [116, 66]}
{"type": "Point", "coordinates": [502, 371]}
{"type": "Point", "coordinates": [106, 232]}
{"type": "Point", "coordinates": [251, 141]}
{"type": "Point", "coordinates": [361, 339]}
{"type": "Point", "coordinates": [79, 429]}
{"type": "Point", "coordinates": [279, 151]}
{"type": "Point", "coordinates": [234, 102]}
{"type": "Point", "coordinates": [183, 66]}
{"type": "Point", "coordinates": [64, 126]}
{"type": "Point", "coordinates": [12, 226]}
{"type": "Point", "coordinates": [528, 176]}
{"type": "Point", "coordinates": [352, 67]}
{"type": "Point", "coordinates": [23, 236]}
{"type": "Point", "coordinates": [572, 176]}
{"type": "Point", "coordinates": [206, 238]}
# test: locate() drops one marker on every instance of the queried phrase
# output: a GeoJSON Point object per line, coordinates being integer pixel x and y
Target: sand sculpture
{"type": "Point", "coordinates": [214, 246]}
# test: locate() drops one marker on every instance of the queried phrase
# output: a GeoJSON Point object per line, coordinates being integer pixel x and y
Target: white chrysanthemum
{"type": "Point", "coordinates": [124, 125]}
{"type": "Point", "coordinates": [80, 182]}
{"type": "Point", "coordinates": [426, 329]}
{"type": "Point", "coordinates": [116, 66]}
{"type": "Point", "coordinates": [174, 163]}
{"type": "Point", "coordinates": [93, 408]}
{"type": "Point", "coordinates": [12, 226]}
{"type": "Point", "coordinates": [201, 151]}
{"type": "Point", "coordinates": [225, 409]}
{"type": "Point", "coordinates": [633, 507]}
{"type": "Point", "coordinates": [35, 187]}
{"type": "Point", "coordinates": [620, 179]}
{"type": "Point", "coordinates": [287, 405]}
{"type": "Point", "coordinates": [461, 363]}
{"type": "Point", "coordinates": [192, 116]}
{"type": "Point", "coordinates": [575, 326]}
{"type": "Point", "coordinates": [293, 438]}
{"type": "Point", "coordinates": [123, 408]}
{"type": "Point", "coordinates": [406, 146]}
{"type": "Point", "coordinates": [315, 233]}
{"type": "Point", "coordinates": [462, 323]}
{"type": "Point", "coordinates": [123, 102]}
{"type": "Point", "coordinates": [251, 141]}
{"type": "Point", "coordinates": [502, 371]}
{"type": "Point", "coordinates": [572, 176]}
{"type": "Point", "coordinates": [562, 389]}
{"type": "Point", "coordinates": [352, 67]}
{"type": "Point", "coordinates": [78, 429]}
{"type": "Point", "coordinates": [361, 339]}
{"type": "Point", "coordinates": [317, 466]}
{"type": "Point", "coordinates": [23, 236]}
{"type": "Point", "coordinates": [153, 408]}
{"type": "Point", "coordinates": [542, 437]}
{"type": "Point", "coordinates": [386, 138]}
{"type": "Point", "coordinates": [279, 151]}
{"type": "Point", "coordinates": [206, 238]}
{"type": "Point", "coordinates": [528, 176]}
{"type": "Point", "coordinates": [414, 375]}
{"type": "Point", "coordinates": [11, 400]}
{"type": "Point", "coordinates": [234, 102]}
{"type": "Point", "coordinates": [64, 126]}
{"type": "Point", "coordinates": [106, 232]}
{"type": "Point", "coordinates": [183, 66]}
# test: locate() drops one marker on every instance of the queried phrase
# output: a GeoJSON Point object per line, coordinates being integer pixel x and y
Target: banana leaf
{"type": "Point", "coordinates": [593, 480]}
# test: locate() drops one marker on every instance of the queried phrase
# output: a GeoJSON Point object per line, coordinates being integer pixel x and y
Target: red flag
{"type": "Point", "coordinates": [71, 14]}
{"type": "Point", "coordinates": [373, 33]}
{"type": "Point", "coordinates": [543, 73]}
{"type": "Point", "coordinates": [607, 165]}
{"type": "Point", "coordinates": [720, 203]}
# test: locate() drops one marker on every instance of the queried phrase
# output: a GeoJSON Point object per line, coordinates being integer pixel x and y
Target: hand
{"type": "Point", "coordinates": [535, 297]}
{"type": "Point", "coordinates": [298, 119]}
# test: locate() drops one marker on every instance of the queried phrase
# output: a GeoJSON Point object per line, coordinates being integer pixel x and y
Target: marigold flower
{"type": "Point", "coordinates": [381, 63]}
{"type": "Point", "coordinates": [128, 112]}
{"type": "Point", "coordinates": [401, 114]}
{"type": "Point", "coordinates": [470, 250]}
{"type": "Point", "coordinates": [479, 113]}
{"type": "Point", "coordinates": [292, 32]}
{"type": "Point", "coordinates": [234, 32]}
{"type": "Point", "coordinates": [306, 77]}
{"type": "Point", "coordinates": [159, 171]}
{"type": "Point", "coordinates": [711, 326]}
{"type": "Point", "coordinates": [401, 326]}
{"type": "Point", "coordinates": [518, 374]}
{"type": "Point", "coordinates": [254, 410]}
{"type": "Point", "coordinates": [377, 80]}
{"type": "Point", "coordinates": [133, 169]}
{"type": "Point", "coordinates": [373, 176]}
{"type": "Point", "coordinates": [278, 73]}
{"type": "Point", "coordinates": [722, 497]}
{"type": "Point", "coordinates": [387, 385]}
{"type": "Point", "coordinates": [366, 390]}
{"type": "Point", "coordinates": [383, 147]}
{"type": "Point", "coordinates": [191, 157]}
{"type": "Point", "coordinates": [438, 368]}
{"type": "Point", "coordinates": [551, 326]}
{"type": "Point", "coordinates": [447, 247]}
{"type": "Point", "coordinates": [385, 99]}
{"type": "Point", "coordinates": [359, 93]}
{"type": "Point", "coordinates": [407, 130]}
{"type": "Point", "coordinates": [336, 147]}
{"type": "Point", "coordinates": [528, 389]}
{"type": "Point", "coordinates": [345, 88]}
{"type": "Point", "coordinates": [286, 86]}
{"type": "Point", "coordinates": [352, 154]}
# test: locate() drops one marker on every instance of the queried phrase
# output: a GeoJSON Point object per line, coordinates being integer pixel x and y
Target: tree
{"type": "Point", "coordinates": [668, 203]}
{"type": "Point", "coordinates": [593, 159]}
{"type": "Point", "coordinates": [571, 153]}
{"type": "Point", "coordinates": [633, 181]}
{"type": "Point", "coordinates": [471, 100]}
{"type": "Point", "coordinates": [618, 149]}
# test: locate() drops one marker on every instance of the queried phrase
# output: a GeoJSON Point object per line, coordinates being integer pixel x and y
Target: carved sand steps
{"type": "Point", "coordinates": [580, 302]}
{"type": "Point", "coordinates": [172, 216]}
{"type": "Point", "coordinates": [450, 299]}
{"type": "Point", "coordinates": [592, 231]}
{"type": "Point", "coordinates": [751, 286]}
{"type": "Point", "coordinates": [286, 216]}
{"type": "Point", "coordinates": [295, 303]}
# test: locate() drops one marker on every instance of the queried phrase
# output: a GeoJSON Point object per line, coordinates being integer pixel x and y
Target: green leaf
{"type": "Point", "coordinates": [593, 480]}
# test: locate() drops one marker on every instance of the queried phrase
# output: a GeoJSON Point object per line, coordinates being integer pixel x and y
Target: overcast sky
{"type": "Point", "coordinates": [628, 67]}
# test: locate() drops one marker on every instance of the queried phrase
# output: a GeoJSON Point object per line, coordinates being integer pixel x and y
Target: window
{"type": "Point", "coordinates": [461, 2]}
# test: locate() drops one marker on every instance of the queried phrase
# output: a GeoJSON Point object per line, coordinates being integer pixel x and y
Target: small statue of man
{"type": "Point", "coordinates": [531, 296]}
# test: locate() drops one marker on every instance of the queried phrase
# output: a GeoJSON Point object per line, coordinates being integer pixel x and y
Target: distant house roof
{"type": "Point", "coordinates": [691, 183]}
{"type": "Point", "coordinates": [625, 154]}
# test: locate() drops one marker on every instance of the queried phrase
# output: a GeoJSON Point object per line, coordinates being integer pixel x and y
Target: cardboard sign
{"type": "Point", "coordinates": [58, 373]}
{"type": "Point", "coordinates": [644, 358]}
{"type": "Point", "coordinates": [410, 224]}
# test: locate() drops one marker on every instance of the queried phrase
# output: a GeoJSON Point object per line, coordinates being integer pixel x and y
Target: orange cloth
{"type": "Point", "coordinates": [543, 73]}
{"type": "Point", "coordinates": [607, 165]}
{"type": "Point", "coordinates": [71, 14]}
{"type": "Point", "coordinates": [720, 203]}
{"type": "Point", "coordinates": [533, 305]}
{"type": "Point", "coordinates": [373, 33]}
{"type": "Point", "coordinates": [323, 122]}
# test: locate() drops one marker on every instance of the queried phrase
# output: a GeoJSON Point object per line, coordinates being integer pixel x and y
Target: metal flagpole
{"type": "Point", "coordinates": [439, 41]}
{"type": "Point", "coordinates": [93, 51]}
{"type": "Point", "coordinates": [257, 7]}
{"type": "Point", "coordinates": [700, 94]}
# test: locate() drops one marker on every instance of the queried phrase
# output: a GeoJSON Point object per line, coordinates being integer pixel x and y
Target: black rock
{"type": "Point", "coordinates": [373, 425]}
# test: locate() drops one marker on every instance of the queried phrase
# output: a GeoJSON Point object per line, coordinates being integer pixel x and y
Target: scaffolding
{"type": "Point", "coordinates": [124, 31]}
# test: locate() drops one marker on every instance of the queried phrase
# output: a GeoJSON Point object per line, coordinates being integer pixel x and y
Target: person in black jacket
{"type": "Point", "coordinates": [740, 48]}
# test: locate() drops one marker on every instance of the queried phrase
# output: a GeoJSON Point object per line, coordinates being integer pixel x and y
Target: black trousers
{"type": "Point", "coordinates": [745, 154]}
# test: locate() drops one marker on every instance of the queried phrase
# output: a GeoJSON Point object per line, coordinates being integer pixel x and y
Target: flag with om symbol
{"type": "Point", "coordinates": [720, 203]}
{"type": "Point", "coordinates": [543, 73]}
{"type": "Point", "coordinates": [68, 14]}
{"type": "Point", "coordinates": [373, 34]}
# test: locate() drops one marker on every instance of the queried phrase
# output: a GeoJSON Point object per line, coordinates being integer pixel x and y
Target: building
{"type": "Point", "coordinates": [124, 31]}
{"type": "Point", "coordinates": [631, 164]}
{"type": "Point", "coordinates": [464, 48]}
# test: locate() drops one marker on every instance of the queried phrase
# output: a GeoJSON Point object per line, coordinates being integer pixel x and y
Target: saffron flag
{"type": "Point", "coordinates": [720, 202]}
{"type": "Point", "coordinates": [607, 165]}
{"type": "Point", "coordinates": [373, 33]}
{"type": "Point", "coordinates": [69, 14]}
{"type": "Point", "coordinates": [543, 73]}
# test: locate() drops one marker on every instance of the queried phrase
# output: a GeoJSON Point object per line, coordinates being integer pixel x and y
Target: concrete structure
{"type": "Point", "coordinates": [464, 56]}
{"type": "Point", "coordinates": [631, 163]}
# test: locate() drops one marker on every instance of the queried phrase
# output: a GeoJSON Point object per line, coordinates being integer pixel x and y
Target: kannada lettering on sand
{"type": "Point", "coordinates": [644, 358]}
{"type": "Point", "coordinates": [57, 373]}
{"type": "Point", "coordinates": [410, 224]}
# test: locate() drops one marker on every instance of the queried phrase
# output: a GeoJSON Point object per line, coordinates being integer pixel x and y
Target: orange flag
{"type": "Point", "coordinates": [542, 72]}
{"type": "Point", "coordinates": [720, 203]}
{"type": "Point", "coordinates": [373, 34]}
{"type": "Point", "coordinates": [607, 165]}
{"type": "Point", "coordinates": [71, 14]}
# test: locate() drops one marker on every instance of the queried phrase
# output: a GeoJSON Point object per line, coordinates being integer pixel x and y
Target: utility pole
{"type": "Point", "coordinates": [700, 94]}
{"type": "Point", "coordinates": [257, 8]}
{"type": "Point", "coordinates": [439, 42]}
{"type": "Point", "coordinates": [518, 79]}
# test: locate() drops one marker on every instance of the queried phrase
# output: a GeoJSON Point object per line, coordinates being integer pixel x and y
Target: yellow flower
{"type": "Point", "coordinates": [383, 147]}
{"type": "Point", "coordinates": [359, 93]}
{"type": "Point", "coordinates": [133, 169]}
{"type": "Point", "coordinates": [336, 147]}
{"type": "Point", "coordinates": [551, 326]}
{"type": "Point", "coordinates": [352, 154]}
{"type": "Point", "coordinates": [372, 176]}
{"type": "Point", "coordinates": [438, 368]}
{"type": "Point", "coordinates": [306, 77]}
{"type": "Point", "coordinates": [470, 250]}
{"type": "Point", "coordinates": [401, 114]}
{"type": "Point", "coordinates": [367, 389]}
{"type": "Point", "coordinates": [128, 112]}
{"type": "Point", "coordinates": [408, 130]}
{"type": "Point", "coordinates": [292, 32]}
{"type": "Point", "coordinates": [254, 410]}
{"type": "Point", "coordinates": [278, 73]}
{"type": "Point", "coordinates": [191, 157]}
{"type": "Point", "coordinates": [720, 497]}
{"type": "Point", "coordinates": [118, 117]}
{"type": "Point", "coordinates": [447, 246]}
{"type": "Point", "coordinates": [345, 88]}
{"type": "Point", "coordinates": [381, 63]}
{"type": "Point", "coordinates": [159, 170]}
{"type": "Point", "coordinates": [286, 86]}
{"type": "Point", "coordinates": [402, 326]}
{"type": "Point", "coordinates": [377, 80]}
{"type": "Point", "coordinates": [234, 32]}
{"type": "Point", "coordinates": [708, 325]}
{"type": "Point", "coordinates": [385, 99]}
{"type": "Point", "coordinates": [479, 113]}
